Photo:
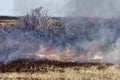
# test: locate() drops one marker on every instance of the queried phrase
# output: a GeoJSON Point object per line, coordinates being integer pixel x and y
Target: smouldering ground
{"type": "Point", "coordinates": [59, 71]}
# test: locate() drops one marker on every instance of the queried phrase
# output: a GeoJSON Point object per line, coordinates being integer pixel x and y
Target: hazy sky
{"type": "Point", "coordinates": [6, 7]}
{"type": "Point", "coordinates": [54, 7]}
{"type": "Point", "coordinates": [97, 8]}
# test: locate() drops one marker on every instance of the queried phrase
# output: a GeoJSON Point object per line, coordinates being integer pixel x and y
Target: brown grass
{"type": "Point", "coordinates": [8, 22]}
{"type": "Point", "coordinates": [48, 70]}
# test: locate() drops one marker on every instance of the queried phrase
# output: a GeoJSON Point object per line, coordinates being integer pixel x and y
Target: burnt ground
{"type": "Point", "coordinates": [45, 66]}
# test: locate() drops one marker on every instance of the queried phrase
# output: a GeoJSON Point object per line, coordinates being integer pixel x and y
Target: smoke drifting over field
{"type": "Point", "coordinates": [87, 8]}
{"type": "Point", "coordinates": [78, 40]}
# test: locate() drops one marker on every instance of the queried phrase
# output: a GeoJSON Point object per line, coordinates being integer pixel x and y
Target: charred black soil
{"type": "Point", "coordinates": [44, 66]}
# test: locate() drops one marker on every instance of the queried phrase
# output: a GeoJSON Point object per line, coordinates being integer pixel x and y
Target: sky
{"type": "Point", "coordinates": [54, 7]}
{"type": "Point", "coordinates": [6, 7]}
{"type": "Point", "coordinates": [89, 8]}
{"type": "Point", "coordinates": [20, 7]}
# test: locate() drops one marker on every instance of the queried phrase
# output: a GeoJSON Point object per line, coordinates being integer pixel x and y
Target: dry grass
{"type": "Point", "coordinates": [75, 73]}
{"type": "Point", "coordinates": [60, 71]}
{"type": "Point", "coordinates": [8, 22]}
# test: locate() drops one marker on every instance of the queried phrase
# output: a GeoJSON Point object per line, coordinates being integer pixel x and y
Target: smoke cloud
{"type": "Point", "coordinates": [77, 40]}
{"type": "Point", "coordinates": [86, 8]}
{"type": "Point", "coordinates": [94, 8]}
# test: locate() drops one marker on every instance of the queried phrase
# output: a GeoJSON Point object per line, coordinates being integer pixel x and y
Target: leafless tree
{"type": "Point", "coordinates": [35, 19]}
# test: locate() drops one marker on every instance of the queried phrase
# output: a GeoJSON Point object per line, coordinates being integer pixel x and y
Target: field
{"type": "Point", "coordinates": [53, 70]}
{"type": "Point", "coordinates": [7, 20]}
{"type": "Point", "coordinates": [68, 40]}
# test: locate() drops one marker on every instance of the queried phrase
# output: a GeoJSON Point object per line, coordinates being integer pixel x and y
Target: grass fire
{"type": "Point", "coordinates": [39, 47]}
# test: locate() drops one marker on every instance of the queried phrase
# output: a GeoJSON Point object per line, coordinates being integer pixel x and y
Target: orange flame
{"type": "Point", "coordinates": [82, 57]}
{"type": "Point", "coordinates": [91, 51]}
{"type": "Point", "coordinates": [62, 59]}
{"type": "Point", "coordinates": [42, 50]}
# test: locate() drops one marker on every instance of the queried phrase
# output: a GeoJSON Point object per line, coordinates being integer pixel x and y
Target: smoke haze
{"type": "Point", "coordinates": [89, 8]}
{"type": "Point", "coordinates": [76, 40]}
{"type": "Point", "coordinates": [54, 7]}
{"type": "Point", "coordinates": [95, 8]}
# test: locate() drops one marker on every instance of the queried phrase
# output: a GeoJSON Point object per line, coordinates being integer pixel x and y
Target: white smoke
{"type": "Point", "coordinates": [94, 8]}
{"type": "Point", "coordinates": [87, 8]}
{"type": "Point", "coordinates": [114, 54]}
